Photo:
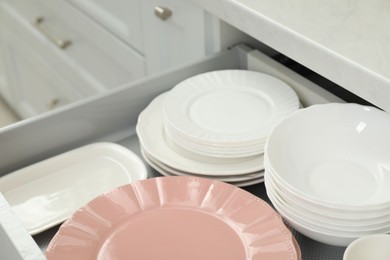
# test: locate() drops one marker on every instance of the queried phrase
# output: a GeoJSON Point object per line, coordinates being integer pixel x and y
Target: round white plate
{"type": "Point", "coordinates": [229, 178]}
{"type": "Point", "coordinates": [228, 106]}
{"type": "Point", "coordinates": [213, 150]}
{"type": "Point", "coordinates": [166, 172]}
{"type": "Point", "coordinates": [150, 131]}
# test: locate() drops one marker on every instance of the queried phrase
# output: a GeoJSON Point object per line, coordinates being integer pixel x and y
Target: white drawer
{"type": "Point", "coordinates": [36, 86]}
{"type": "Point", "coordinates": [35, 83]}
{"type": "Point", "coordinates": [103, 60]}
{"type": "Point", "coordinates": [121, 17]}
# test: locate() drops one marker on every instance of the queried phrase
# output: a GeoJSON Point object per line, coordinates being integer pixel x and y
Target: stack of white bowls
{"type": "Point", "coordinates": [327, 171]}
{"type": "Point", "coordinates": [215, 124]}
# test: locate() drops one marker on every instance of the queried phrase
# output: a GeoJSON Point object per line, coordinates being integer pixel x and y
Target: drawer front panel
{"type": "Point", "coordinates": [121, 17]}
{"type": "Point", "coordinates": [104, 60]}
{"type": "Point", "coordinates": [35, 85]}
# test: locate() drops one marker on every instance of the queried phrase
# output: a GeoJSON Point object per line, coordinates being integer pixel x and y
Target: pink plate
{"type": "Point", "coordinates": [180, 217]}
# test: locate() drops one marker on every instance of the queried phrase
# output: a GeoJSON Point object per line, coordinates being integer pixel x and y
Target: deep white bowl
{"type": "Point", "coordinates": [373, 247]}
{"type": "Point", "coordinates": [335, 155]}
{"type": "Point", "coordinates": [347, 215]}
{"type": "Point", "coordinates": [325, 219]}
{"type": "Point", "coordinates": [321, 236]}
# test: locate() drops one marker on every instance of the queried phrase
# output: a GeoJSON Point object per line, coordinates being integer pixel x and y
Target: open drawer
{"type": "Point", "coordinates": [112, 117]}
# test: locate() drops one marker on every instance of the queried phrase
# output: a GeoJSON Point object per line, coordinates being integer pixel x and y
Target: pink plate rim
{"type": "Point", "coordinates": [259, 227]}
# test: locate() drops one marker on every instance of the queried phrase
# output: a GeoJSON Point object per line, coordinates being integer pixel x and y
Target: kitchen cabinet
{"type": "Point", "coordinates": [43, 73]}
{"type": "Point", "coordinates": [179, 29]}
{"type": "Point", "coordinates": [70, 50]}
{"type": "Point", "coordinates": [121, 18]}
{"type": "Point", "coordinates": [26, 69]}
{"type": "Point", "coordinates": [3, 83]}
{"type": "Point", "coordinates": [176, 32]}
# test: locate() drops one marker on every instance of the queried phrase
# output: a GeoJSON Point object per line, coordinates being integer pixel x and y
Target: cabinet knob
{"type": "Point", "coordinates": [53, 103]}
{"type": "Point", "coordinates": [162, 12]}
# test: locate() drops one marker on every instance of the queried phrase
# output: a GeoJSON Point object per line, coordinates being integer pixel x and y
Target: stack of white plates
{"type": "Point", "coordinates": [215, 125]}
{"type": "Point", "coordinates": [327, 171]}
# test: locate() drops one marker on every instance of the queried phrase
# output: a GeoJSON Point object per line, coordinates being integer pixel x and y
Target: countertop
{"type": "Point", "coordinates": [347, 41]}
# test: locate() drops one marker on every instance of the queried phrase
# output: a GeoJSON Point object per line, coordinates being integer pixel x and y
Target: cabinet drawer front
{"type": "Point", "coordinates": [103, 60]}
{"type": "Point", "coordinates": [36, 85]}
{"type": "Point", "coordinates": [170, 22]}
{"type": "Point", "coordinates": [121, 17]}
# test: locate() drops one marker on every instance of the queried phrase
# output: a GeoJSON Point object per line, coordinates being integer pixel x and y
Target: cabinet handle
{"type": "Point", "coordinates": [52, 103]}
{"type": "Point", "coordinates": [63, 44]}
{"type": "Point", "coordinates": [162, 12]}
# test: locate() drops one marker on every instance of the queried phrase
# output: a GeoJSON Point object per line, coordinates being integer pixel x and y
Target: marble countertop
{"type": "Point", "coordinates": [346, 41]}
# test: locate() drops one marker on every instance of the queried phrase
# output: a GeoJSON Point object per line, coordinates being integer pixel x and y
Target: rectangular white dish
{"type": "Point", "coordinates": [47, 193]}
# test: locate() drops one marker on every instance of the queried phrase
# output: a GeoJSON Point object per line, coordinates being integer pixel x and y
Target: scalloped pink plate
{"type": "Point", "coordinates": [178, 217]}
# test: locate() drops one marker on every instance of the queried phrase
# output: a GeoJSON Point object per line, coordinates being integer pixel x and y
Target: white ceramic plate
{"type": "Point", "coordinates": [169, 218]}
{"type": "Point", "coordinates": [48, 192]}
{"type": "Point", "coordinates": [228, 106]}
{"type": "Point", "coordinates": [228, 178]}
{"type": "Point", "coordinates": [168, 172]}
{"type": "Point", "coordinates": [217, 151]}
{"type": "Point", "coordinates": [150, 131]}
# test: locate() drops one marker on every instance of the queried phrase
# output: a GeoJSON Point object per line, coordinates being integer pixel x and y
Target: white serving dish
{"type": "Point", "coordinates": [47, 193]}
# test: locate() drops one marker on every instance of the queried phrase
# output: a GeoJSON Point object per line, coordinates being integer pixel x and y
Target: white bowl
{"type": "Point", "coordinates": [363, 214]}
{"type": "Point", "coordinates": [335, 155]}
{"type": "Point", "coordinates": [298, 211]}
{"type": "Point", "coordinates": [320, 236]}
{"type": "Point", "coordinates": [373, 247]}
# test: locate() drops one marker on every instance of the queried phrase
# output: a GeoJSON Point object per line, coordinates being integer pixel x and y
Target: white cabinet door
{"type": "Point", "coordinates": [100, 59]}
{"type": "Point", "coordinates": [121, 17]}
{"type": "Point", "coordinates": [35, 86]}
{"type": "Point", "coordinates": [4, 89]}
{"type": "Point", "coordinates": [180, 38]}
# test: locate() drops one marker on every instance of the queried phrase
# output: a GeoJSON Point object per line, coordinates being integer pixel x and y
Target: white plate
{"type": "Point", "coordinates": [229, 178]}
{"type": "Point", "coordinates": [150, 131]}
{"type": "Point", "coordinates": [217, 151]}
{"type": "Point", "coordinates": [165, 172]}
{"type": "Point", "coordinates": [228, 106]}
{"type": "Point", "coordinates": [48, 192]}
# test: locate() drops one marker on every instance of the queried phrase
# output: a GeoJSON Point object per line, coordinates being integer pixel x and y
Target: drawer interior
{"type": "Point", "coordinates": [112, 116]}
